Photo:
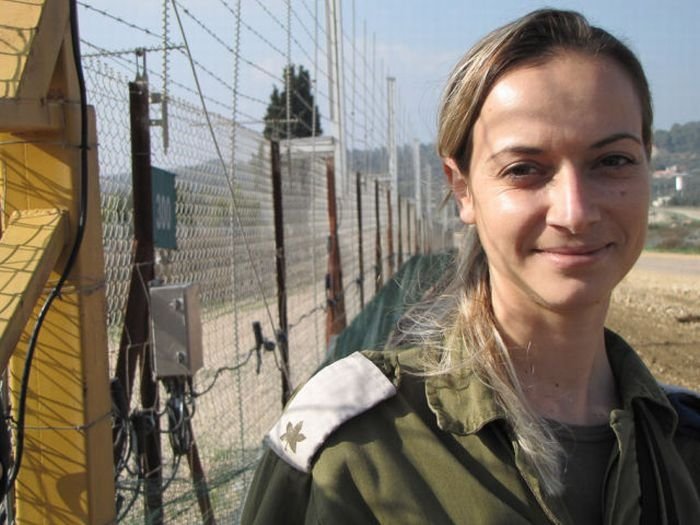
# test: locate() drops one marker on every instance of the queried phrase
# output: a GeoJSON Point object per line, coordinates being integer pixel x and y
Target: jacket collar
{"type": "Point", "coordinates": [463, 403]}
{"type": "Point", "coordinates": [636, 384]}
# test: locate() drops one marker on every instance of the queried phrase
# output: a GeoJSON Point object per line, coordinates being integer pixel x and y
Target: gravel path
{"type": "Point", "coordinates": [657, 309]}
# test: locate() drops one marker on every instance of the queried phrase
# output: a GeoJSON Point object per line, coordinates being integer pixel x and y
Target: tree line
{"type": "Point", "coordinates": [679, 146]}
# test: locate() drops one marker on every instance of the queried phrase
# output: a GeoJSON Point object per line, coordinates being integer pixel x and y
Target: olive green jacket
{"type": "Point", "coordinates": [439, 451]}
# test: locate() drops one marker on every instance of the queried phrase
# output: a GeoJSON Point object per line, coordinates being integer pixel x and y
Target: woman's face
{"type": "Point", "coordinates": [558, 183]}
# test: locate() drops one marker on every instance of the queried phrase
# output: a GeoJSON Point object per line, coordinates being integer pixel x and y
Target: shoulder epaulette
{"type": "Point", "coordinates": [687, 406]}
{"type": "Point", "coordinates": [334, 395]}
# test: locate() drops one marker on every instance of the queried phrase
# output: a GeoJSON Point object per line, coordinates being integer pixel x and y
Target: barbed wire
{"type": "Point", "coordinates": [131, 51]}
{"type": "Point", "coordinates": [312, 15]}
{"type": "Point", "coordinates": [119, 20]}
{"type": "Point", "coordinates": [252, 30]}
{"type": "Point", "coordinates": [272, 15]}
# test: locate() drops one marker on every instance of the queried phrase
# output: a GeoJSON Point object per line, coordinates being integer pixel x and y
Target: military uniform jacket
{"type": "Point", "coordinates": [437, 450]}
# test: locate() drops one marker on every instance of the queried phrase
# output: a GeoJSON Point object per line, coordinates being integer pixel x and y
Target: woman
{"type": "Point", "coordinates": [515, 404]}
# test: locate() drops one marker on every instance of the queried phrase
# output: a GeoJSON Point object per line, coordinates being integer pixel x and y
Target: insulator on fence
{"type": "Point", "coordinates": [281, 338]}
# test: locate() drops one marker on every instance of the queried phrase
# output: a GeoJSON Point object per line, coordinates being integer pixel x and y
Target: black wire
{"type": "Point", "coordinates": [131, 503]}
{"type": "Point", "coordinates": [56, 291]}
{"type": "Point", "coordinates": [219, 371]}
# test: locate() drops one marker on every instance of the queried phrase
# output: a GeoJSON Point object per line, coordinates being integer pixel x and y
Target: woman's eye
{"type": "Point", "coordinates": [521, 170]}
{"type": "Point", "coordinates": [616, 161]}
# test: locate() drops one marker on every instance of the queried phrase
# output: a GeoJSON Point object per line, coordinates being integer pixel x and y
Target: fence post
{"type": "Point", "coordinates": [378, 263]}
{"type": "Point", "coordinates": [361, 281]}
{"type": "Point", "coordinates": [408, 229]}
{"type": "Point", "coordinates": [389, 235]}
{"type": "Point", "coordinates": [199, 480]}
{"type": "Point", "coordinates": [419, 237]}
{"type": "Point", "coordinates": [400, 228]}
{"type": "Point", "coordinates": [335, 317]}
{"type": "Point", "coordinates": [281, 268]}
{"type": "Point", "coordinates": [135, 334]}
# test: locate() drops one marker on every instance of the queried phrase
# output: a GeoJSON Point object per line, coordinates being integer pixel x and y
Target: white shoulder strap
{"type": "Point", "coordinates": [334, 395]}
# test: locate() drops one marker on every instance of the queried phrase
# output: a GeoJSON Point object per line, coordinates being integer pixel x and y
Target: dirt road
{"type": "Point", "coordinates": [657, 309]}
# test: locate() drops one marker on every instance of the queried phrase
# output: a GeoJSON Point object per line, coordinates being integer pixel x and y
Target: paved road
{"type": "Point", "coordinates": [693, 213]}
{"type": "Point", "coordinates": [670, 264]}
{"type": "Point", "coordinates": [663, 213]}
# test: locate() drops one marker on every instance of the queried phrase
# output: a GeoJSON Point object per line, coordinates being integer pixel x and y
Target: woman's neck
{"type": "Point", "coordinates": [561, 362]}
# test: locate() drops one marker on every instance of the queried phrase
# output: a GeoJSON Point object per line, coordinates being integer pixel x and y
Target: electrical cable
{"type": "Point", "coordinates": [126, 510]}
{"type": "Point", "coordinates": [56, 291]}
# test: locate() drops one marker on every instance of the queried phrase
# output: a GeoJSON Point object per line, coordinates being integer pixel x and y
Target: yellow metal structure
{"type": "Point", "coordinates": [67, 471]}
{"type": "Point", "coordinates": [29, 250]}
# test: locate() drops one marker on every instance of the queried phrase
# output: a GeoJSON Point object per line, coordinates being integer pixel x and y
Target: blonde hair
{"type": "Point", "coordinates": [456, 324]}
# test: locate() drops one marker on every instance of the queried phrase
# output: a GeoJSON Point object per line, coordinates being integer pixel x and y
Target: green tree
{"type": "Point", "coordinates": [301, 102]}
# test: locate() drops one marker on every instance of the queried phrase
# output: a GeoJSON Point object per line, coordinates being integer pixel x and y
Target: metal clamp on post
{"type": "Point", "coordinates": [260, 344]}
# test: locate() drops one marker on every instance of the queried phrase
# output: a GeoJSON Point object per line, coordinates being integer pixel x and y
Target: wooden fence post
{"type": "Point", "coordinates": [389, 235]}
{"type": "Point", "coordinates": [400, 229]}
{"type": "Point", "coordinates": [420, 238]}
{"type": "Point", "coordinates": [134, 345]}
{"type": "Point", "coordinates": [408, 229]}
{"type": "Point", "coordinates": [335, 316]}
{"type": "Point", "coordinates": [378, 262]}
{"type": "Point", "coordinates": [361, 279]}
{"type": "Point", "coordinates": [281, 268]}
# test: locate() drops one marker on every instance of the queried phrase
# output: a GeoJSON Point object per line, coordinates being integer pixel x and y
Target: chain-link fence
{"type": "Point", "coordinates": [227, 243]}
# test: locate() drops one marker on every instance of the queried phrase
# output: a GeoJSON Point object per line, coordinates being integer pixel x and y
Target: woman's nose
{"type": "Point", "coordinates": [573, 202]}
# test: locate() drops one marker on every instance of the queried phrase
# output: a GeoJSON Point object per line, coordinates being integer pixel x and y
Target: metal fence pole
{"type": "Point", "coordinates": [281, 269]}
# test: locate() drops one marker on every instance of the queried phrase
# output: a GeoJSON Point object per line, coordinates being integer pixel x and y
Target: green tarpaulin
{"type": "Point", "coordinates": [373, 326]}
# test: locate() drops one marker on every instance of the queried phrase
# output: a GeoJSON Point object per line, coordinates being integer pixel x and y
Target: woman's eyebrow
{"type": "Point", "coordinates": [614, 138]}
{"type": "Point", "coordinates": [517, 150]}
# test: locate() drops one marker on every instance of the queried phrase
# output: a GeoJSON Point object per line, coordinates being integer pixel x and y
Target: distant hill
{"type": "Point", "coordinates": [678, 146]}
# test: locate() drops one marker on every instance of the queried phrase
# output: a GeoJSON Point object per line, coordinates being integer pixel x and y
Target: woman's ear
{"type": "Point", "coordinates": [458, 184]}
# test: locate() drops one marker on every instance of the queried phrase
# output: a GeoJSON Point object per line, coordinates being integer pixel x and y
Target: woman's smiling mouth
{"type": "Point", "coordinates": [575, 255]}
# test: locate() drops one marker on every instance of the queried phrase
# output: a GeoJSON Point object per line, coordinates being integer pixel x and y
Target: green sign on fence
{"type": "Point", "coordinates": [164, 221]}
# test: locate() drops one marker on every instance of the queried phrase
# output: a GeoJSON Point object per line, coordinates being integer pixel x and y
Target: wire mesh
{"type": "Point", "coordinates": [225, 229]}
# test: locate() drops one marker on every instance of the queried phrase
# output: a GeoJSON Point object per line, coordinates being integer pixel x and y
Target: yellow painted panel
{"type": "Point", "coordinates": [38, 176]}
{"type": "Point", "coordinates": [52, 484]}
{"type": "Point", "coordinates": [19, 23]}
{"type": "Point", "coordinates": [24, 115]}
{"type": "Point", "coordinates": [29, 250]}
{"type": "Point", "coordinates": [67, 472]}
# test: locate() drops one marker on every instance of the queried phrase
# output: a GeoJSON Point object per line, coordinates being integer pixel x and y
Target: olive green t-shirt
{"type": "Point", "coordinates": [588, 450]}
